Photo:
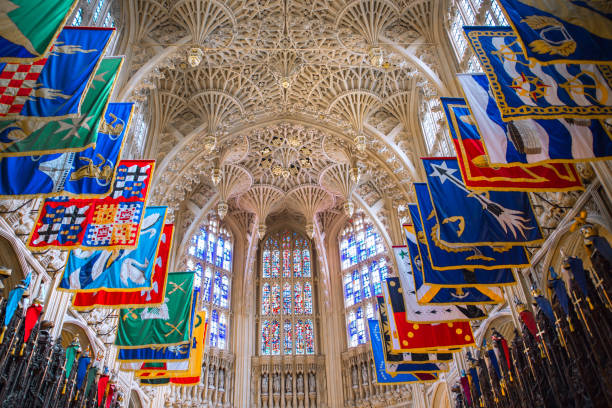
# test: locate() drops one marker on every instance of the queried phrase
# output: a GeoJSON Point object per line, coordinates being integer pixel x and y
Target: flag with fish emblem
{"type": "Point", "coordinates": [524, 89]}
{"type": "Point", "coordinates": [29, 27]}
{"type": "Point", "coordinates": [38, 136]}
{"type": "Point", "coordinates": [578, 32]}
{"type": "Point", "coordinates": [146, 297]}
{"type": "Point", "coordinates": [111, 222]}
{"type": "Point", "coordinates": [89, 173]}
{"type": "Point", "coordinates": [169, 324]}
{"type": "Point", "coordinates": [118, 269]}
{"type": "Point", "coordinates": [479, 174]}
{"type": "Point", "coordinates": [382, 376]}
{"type": "Point", "coordinates": [468, 218]}
{"type": "Point", "coordinates": [533, 140]}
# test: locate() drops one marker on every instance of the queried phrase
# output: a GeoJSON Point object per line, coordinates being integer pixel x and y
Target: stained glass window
{"type": "Point", "coordinates": [286, 291]}
{"type": "Point", "coordinates": [362, 255]}
{"type": "Point", "coordinates": [210, 256]}
{"type": "Point", "coordinates": [98, 9]}
{"type": "Point", "coordinates": [78, 18]}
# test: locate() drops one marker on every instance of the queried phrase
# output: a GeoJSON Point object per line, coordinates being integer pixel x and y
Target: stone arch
{"type": "Point", "coordinates": [500, 321]}
{"type": "Point", "coordinates": [440, 397]}
{"type": "Point", "coordinates": [73, 328]}
{"type": "Point", "coordinates": [135, 400]}
{"type": "Point", "coordinates": [10, 258]}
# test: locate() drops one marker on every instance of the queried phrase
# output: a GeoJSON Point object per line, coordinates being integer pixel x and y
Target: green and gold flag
{"type": "Point", "coordinates": [28, 27]}
{"type": "Point", "coordinates": [168, 324]}
{"type": "Point", "coordinates": [35, 136]}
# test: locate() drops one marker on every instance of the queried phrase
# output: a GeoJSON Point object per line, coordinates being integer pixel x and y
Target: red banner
{"type": "Point", "coordinates": [152, 297]}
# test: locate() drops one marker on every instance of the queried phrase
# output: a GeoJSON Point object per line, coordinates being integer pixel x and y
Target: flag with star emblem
{"type": "Point", "coordinates": [444, 258]}
{"type": "Point", "coordinates": [450, 287]}
{"type": "Point", "coordinates": [88, 173]}
{"type": "Point", "coordinates": [578, 32]}
{"type": "Point", "coordinates": [468, 218]}
{"type": "Point", "coordinates": [37, 136]}
{"type": "Point", "coordinates": [147, 297]}
{"type": "Point", "coordinates": [117, 269]}
{"type": "Point", "coordinates": [169, 324]}
{"type": "Point", "coordinates": [397, 357]}
{"type": "Point", "coordinates": [42, 88]}
{"type": "Point", "coordinates": [29, 27]}
{"type": "Point", "coordinates": [109, 223]}
{"type": "Point", "coordinates": [524, 89]}
{"type": "Point", "coordinates": [403, 288]}
{"type": "Point", "coordinates": [532, 140]}
{"type": "Point", "coordinates": [382, 376]}
{"type": "Point", "coordinates": [479, 174]}
{"type": "Point", "coordinates": [185, 370]}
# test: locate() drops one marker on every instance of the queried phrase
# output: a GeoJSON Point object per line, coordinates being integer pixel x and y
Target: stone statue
{"type": "Point", "coordinates": [264, 384]}
{"type": "Point", "coordinates": [276, 384]}
{"type": "Point", "coordinates": [312, 384]}
{"type": "Point", "coordinates": [211, 377]}
{"type": "Point", "coordinates": [288, 383]}
{"type": "Point", "coordinates": [300, 383]}
{"type": "Point", "coordinates": [364, 374]}
{"type": "Point", "coordinates": [221, 380]}
{"type": "Point", "coordinates": [354, 377]}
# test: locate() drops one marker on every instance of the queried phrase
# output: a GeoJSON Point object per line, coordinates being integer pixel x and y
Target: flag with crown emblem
{"type": "Point", "coordinates": [145, 297]}
{"type": "Point", "coordinates": [532, 140]}
{"type": "Point", "coordinates": [169, 324]}
{"type": "Point", "coordinates": [524, 89]}
{"type": "Point", "coordinates": [109, 222]}
{"type": "Point", "coordinates": [578, 32]}
{"type": "Point", "coordinates": [37, 135]}
{"type": "Point", "coordinates": [29, 27]}
{"type": "Point", "coordinates": [479, 174]}
{"type": "Point", "coordinates": [42, 88]}
{"type": "Point", "coordinates": [382, 376]}
{"type": "Point", "coordinates": [89, 173]}
{"type": "Point", "coordinates": [469, 218]}
{"type": "Point", "coordinates": [117, 269]}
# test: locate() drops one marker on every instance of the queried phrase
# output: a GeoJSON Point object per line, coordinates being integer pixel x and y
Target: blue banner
{"type": "Point", "coordinates": [58, 89]}
{"type": "Point", "coordinates": [122, 269]}
{"type": "Point", "coordinates": [577, 32]}
{"type": "Point", "coordinates": [532, 140]}
{"type": "Point", "coordinates": [468, 218]}
{"type": "Point", "coordinates": [524, 89]}
{"type": "Point", "coordinates": [384, 377]}
{"type": "Point", "coordinates": [442, 257]}
{"type": "Point", "coordinates": [88, 173]}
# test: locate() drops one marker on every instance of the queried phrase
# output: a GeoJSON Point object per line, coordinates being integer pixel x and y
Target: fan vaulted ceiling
{"type": "Point", "coordinates": [281, 93]}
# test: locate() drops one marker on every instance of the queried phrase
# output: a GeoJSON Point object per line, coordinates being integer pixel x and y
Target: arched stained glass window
{"type": "Point", "coordinates": [286, 291]}
{"type": "Point", "coordinates": [210, 256]}
{"type": "Point", "coordinates": [364, 267]}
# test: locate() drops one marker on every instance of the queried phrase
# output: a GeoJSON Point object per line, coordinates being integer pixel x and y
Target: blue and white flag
{"type": "Point", "coordinates": [84, 174]}
{"type": "Point", "coordinates": [442, 257]}
{"type": "Point", "coordinates": [533, 140]}
{"type": "Point", "coordinates": [382, 375]}
{"type": "Point", "coordinates": [468, 218]}
{"type": "Point", "coordinates": [524, 89]}
{"type": "Point", "coordinates": [456, 287]}
{"type": "Point", "coordinates": [124, 269]}
{"type": "Point", "coordinates": [56, 87]}
{"type": "Point", "coordinates": [577, 32]}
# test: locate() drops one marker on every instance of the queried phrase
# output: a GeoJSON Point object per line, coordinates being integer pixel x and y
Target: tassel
{"type": "Point", "coordinates": [590, 304]}
{"type": "Point", "coordinates": [76, 397]}
{"type": "Point", "coordinates": [22, 348]}
{"type": "Point", "coordinates": [2, 335]}
{"type": "Point", "coordinates": [64, 389]}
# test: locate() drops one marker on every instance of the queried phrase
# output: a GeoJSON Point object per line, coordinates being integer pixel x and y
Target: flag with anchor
{"type": "Point", "coordinates": [89, 173]}
{"type": "Point", "coordinates": [532, 141]}
{"type": "Point", "coordinates": [112, 222]}
{"type": "Point", "coordinates": [578, 32]}
{"type": "Point", "coordinates": [442, 257]}
{"type": "Point", "coordinates": [145, 297]}
{"type": "Point", "coordinates": [479, 174]}
{"type": "Point", "coordinates": [468, 218]}
{"type": "Point", "coordinates": [451, 287]}
{"type": "Point", "coordinates": [169, 324]}
{"type": "Point", "coordinates": [387, 343]}
{"type": "Point", "coordinates": [384, 377]}
{"type": "Point", "coordinates": [525, 89]}
{"type": "Point", "coordinates": [117, 269]}
{"type": "Point", "coordinates": [38, 135]}
{"type": "Point", "coordinates": [402, 288]}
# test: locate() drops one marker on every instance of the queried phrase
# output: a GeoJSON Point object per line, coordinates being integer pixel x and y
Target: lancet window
{"type": "Point", "coordinates": [364, 268]}
{"type": "Point", "coordinates": [210, 256]}
{"type": "Point", "coordinates": [286, 293]}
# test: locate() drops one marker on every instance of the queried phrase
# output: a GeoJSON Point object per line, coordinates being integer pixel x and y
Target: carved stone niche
{"type": "Point", "coordinates": [288, 382]}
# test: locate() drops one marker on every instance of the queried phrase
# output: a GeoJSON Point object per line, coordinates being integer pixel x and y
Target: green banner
{"type": "Point", "coordinates": [34, 136]}
{"type": "Point", "coordinates": [168, 324]}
